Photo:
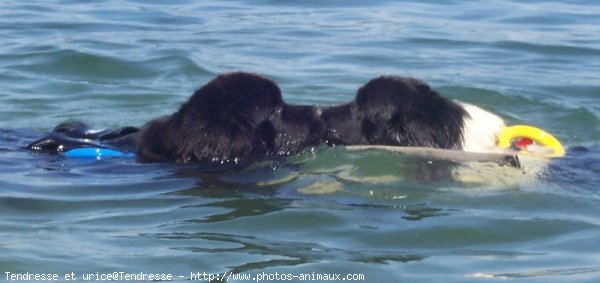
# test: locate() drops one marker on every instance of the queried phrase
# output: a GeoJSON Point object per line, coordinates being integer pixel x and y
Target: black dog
{"type": "Point", "coordinates": [392, 110]}
{"type": "Point", "coordinates": [234, 117]}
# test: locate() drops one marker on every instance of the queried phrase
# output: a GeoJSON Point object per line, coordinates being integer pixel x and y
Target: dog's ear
{"type": "Point", "coordinates": [371, 131]}
{"type": "Point", "coordinates": [434, 121]}
{"type": "Point", "coordinates": [265, 136]}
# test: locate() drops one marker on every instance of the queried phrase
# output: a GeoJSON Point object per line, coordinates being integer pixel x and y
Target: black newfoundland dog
{"type": "Point", "coordinates": [234, 117]}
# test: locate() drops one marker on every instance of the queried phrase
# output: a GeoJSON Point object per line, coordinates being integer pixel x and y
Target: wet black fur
{"type": "Point", "coordinates": [234, 117]}
{"type": "Point", "coordinates": [393, 110]}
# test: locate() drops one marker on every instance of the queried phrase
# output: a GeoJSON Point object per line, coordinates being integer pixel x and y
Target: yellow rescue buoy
{"type": "Point", "coordinates": [508, 134]}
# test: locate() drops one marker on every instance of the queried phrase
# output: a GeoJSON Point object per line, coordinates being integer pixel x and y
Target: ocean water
{"type": "Point", "coordinates": [371, 216]}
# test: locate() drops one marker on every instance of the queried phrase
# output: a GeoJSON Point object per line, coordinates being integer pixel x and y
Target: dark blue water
{"type": "Point", "coordinates": [387, 217]}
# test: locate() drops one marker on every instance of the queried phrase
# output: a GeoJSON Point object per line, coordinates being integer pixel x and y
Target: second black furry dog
{"type": "Point", "coordinates": [392, 110]}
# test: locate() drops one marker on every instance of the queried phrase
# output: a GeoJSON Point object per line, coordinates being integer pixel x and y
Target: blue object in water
{"type": "Point", "coordinates": [96, 153]}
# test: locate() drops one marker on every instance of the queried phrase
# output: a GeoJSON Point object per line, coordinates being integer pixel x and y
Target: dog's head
{"type": "Point", "coordinates": [393, 110]}
{"type": "Point", "coordinates": [233, 117]}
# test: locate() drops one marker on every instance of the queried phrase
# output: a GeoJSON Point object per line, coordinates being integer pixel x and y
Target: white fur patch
{"type": "Point", "coordinates": [481, 129]}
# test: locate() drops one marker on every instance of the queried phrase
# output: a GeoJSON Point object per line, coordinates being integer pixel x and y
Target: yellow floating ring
{"type": "Point", "coordinates": [507, 134]}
